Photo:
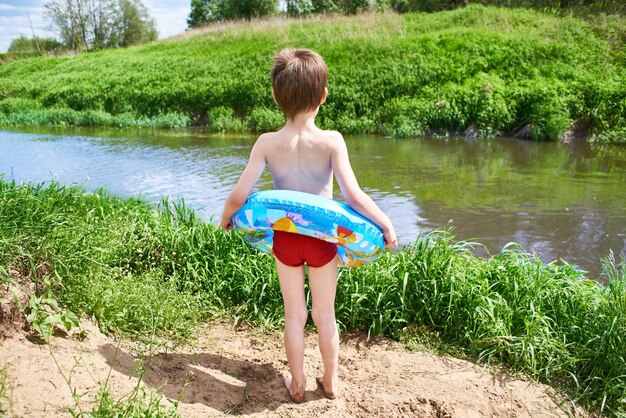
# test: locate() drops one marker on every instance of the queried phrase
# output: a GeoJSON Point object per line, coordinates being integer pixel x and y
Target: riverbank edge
{"type": "Point", "coordinates": [142, 271]}
{"type": "Point", "coordinates": [480, 70]}
{"type": "Point", "coordinates": [578, 131]}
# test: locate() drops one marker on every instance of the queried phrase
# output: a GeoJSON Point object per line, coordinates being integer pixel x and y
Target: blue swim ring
{"type": "Point", "coordinates": [359, 240]}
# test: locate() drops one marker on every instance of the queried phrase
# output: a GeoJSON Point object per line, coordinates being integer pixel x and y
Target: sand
{"type": "Point", "coordinates": [238, 371]}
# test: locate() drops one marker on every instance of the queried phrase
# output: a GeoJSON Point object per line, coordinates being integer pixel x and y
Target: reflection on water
{"type": "Point", "coordinates": [560, 201]}
{"type": "Point", "coordinates": [199, 169]}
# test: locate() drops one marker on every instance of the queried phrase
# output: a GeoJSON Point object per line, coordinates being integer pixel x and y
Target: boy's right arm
{"type": "Point", "coordinates": [355, 197]}
{"type": "Point", "coordinates": [249, 176]}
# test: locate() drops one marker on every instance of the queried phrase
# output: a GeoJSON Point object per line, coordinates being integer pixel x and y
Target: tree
{"type": "Point", "coordinates": [325, 6]}
{"type": "Point", "coordinates": [208, 11]}
{"type": "Point", "coordinates": [305, 7]}
{"type": "Point", "coordinates": [352, 7]}
{"type": "Point", "coordinates": [97, 24]}
{"type": "Point", "coordinates": [205, 11]}
{"type": "Point", "coordinates": [64, 16]}
{"type": "Point", "coordinates": [134, 25]}
{"type": "Point", "coordinates": [247, 9]}
{"type": "Point", "coordinates": [299, 7]}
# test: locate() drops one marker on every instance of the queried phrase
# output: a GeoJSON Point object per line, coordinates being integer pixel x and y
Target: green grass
{"type": "Point", "coordinates": [145, 271]}
{"type": "Point", "coordinates": [141, 403]}
{"type": "Point", "coordinates": [89, 247]}
{"type": "Point", "coordinates": [496, 69]}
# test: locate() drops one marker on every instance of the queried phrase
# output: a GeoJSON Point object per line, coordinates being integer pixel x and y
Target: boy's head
{"type": "Point", "coordinates": [299, 80]}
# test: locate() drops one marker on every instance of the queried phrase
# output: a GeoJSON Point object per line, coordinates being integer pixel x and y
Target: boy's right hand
{"type": "Point", "coordinates": [226, 224]}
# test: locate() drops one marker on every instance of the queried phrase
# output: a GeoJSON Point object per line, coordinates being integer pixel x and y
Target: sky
{"type": "Point", "coordinates": [170, 17]}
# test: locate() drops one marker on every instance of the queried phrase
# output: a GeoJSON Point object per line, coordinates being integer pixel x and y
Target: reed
{"type": "Point", "coordinates": [142, 270]}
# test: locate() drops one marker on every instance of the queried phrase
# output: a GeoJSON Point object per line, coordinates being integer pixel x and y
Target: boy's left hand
{"type": "Point", "coordinates": [391, 241]}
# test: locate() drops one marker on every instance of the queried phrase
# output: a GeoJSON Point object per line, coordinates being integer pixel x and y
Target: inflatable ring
{"type": "Point", "coordinates": [359, 241]}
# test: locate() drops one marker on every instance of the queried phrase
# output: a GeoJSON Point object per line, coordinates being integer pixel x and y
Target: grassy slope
{"type": "Point", "coordinates": [146, 272]}
{"type": "Point", "coordinates": [499, 69]}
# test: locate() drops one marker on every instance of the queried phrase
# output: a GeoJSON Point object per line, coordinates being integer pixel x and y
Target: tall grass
{"type": "Point", "coordinates": [144, 271]}
{"type": "Point", "coordinates": [545, 320]}
{"type": "Point", "coordinates": [89, 247]}
{"type": "Point", "coordinates": [494, 70]}
{"type": "Point", "coordinates": [21, 112]}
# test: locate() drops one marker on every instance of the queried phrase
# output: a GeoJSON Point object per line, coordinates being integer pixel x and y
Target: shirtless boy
{"type": "Point", "coordinates": [304, 158]}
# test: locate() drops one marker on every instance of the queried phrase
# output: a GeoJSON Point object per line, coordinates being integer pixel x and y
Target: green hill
{"type": "Point", "coordinates": [488, 69]}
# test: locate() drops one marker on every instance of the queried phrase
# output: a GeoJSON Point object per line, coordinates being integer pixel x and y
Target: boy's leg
{"type": "Point", "coordinates": [292, 288]}
{"type": "Point", "coordinates": [323, 283]}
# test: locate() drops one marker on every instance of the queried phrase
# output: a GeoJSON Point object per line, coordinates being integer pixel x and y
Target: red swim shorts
{"type": "Point", "coordinates": [294, 250]}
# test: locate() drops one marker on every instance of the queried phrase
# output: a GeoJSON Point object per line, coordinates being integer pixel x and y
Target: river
{"type": "Point", "coordinates": [559, 201]}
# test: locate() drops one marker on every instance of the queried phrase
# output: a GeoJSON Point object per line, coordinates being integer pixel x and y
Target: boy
{"type": "Point", "coordinates": [304, 158]}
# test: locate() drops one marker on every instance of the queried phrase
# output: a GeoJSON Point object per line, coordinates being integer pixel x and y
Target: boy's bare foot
{"type": "Point", "coordinates": [329, 393]}
{"type": "Point", "coordinates": [295, 394]}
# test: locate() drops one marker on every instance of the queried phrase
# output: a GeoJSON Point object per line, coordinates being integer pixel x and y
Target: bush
{"type": "Point", "coordinates": [36, 44]}
{"type": "Point", "coordinates": [404, 6]}
{"type": "Point", "coordinates": [265, 120]}
{"type": "Point", "coordinates": [18, 104]}
{"type": "Point", "coordinates": [222, 119]}
{"type": "Point", "coordinates": [402, 117]}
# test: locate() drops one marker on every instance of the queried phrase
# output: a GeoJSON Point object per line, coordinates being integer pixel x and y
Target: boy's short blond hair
{"type": "Point", "coordinates": [299, 77]}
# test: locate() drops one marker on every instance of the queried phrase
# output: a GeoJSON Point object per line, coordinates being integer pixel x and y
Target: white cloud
{"type": "Point", "coordinates": [170, 21]}
{"type": "Point", "coordinates": [8, 22]}
{"type": "Point", "coordinates": [14, 22]}
{"type": "Point", "coordinates": [170, 16]}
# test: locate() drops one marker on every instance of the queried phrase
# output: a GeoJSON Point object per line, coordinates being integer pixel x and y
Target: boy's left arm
{"type": "Point", "coordinates": [241, 191]}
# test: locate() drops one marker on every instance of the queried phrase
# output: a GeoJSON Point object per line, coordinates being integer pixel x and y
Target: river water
{"type": "Point", "coordinates": [560, 201]}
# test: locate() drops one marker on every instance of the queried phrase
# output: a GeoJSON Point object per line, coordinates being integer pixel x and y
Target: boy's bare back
{"type": "Point", "coordinates": [301, 160]}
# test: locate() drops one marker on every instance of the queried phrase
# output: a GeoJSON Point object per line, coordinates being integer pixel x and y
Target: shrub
{"type": "Point", "coordinates": [18, 104]}
{"type": "Point", "coordinates": [222, 119]}
{"type": "Point", "coordinates": [264, 120]}
{"type": "Point", "coordinates": [403, 6]}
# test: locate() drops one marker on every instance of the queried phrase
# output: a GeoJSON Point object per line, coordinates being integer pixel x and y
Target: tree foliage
{"type": "Point", "coordinates": [208, 11]}
{"type": "Point", "coordinates": [98, 24]}
{"type": "Point", "coordinates": [593, 6]}
{"type": "Point", "coordinates": [134, 24]}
